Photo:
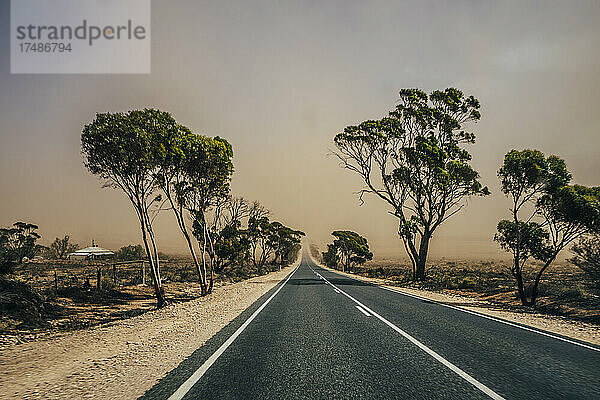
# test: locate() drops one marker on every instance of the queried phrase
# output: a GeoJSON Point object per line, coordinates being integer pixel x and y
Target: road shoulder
{"type": "Point", "coordinates": [126, 358]}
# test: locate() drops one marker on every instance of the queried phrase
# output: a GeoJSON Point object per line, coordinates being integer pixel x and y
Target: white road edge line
{"type": "Point", "coordinates": [362, 310]}
{"type": "Point", "coordinates": [526, 328]}
{"type": "Point", "coordinates": [493, 319]}
{"type": "Point", "coordinates": [427, 350]}
{"type": "Point", "coordinates": [192, 380]}
{"type": "Point", "coordinates": [482, 315]}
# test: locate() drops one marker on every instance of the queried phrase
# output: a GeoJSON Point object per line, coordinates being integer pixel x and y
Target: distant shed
{"type": "Point", "coordinates": [90, 253]}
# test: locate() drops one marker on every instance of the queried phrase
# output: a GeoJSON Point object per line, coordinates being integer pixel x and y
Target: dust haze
{"type": "Point", "coordinates": [280, 80]}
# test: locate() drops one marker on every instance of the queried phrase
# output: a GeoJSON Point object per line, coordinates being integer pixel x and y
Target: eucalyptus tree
{"type": "Point", "coordinates": [352, 249]}
{"type": "Point", "coordinates": [174, 149]}
{"type": "Point", "coordinates": [261, 236]}
{"type": "Point", "coordinates": [16, 243]}
{"type": "Point", "coordinates": [587, 257]}
{"type": "Point", "coordinates": [232, 247]}
{"type": "Point", "coordinates": [414, 161]}
{"type": "Point", "coordinates": [61, 247]}
{"type": "Point", "coordinates": [231, 243]}
{"type": "Point", "coordinates": [208, 170]}
{"type": "Point", "coordinates": [547, 214]}
{"type": "Point", "coordinates": [120, 148]}
{"type": "Point", "coordinates": [331, 257]}
{"type": "Point", "coordinates": [234, 209]}
{"type": "Point", "coordinates": [286, 242]}
{"type": "Point", "coordinates": [257, 210]}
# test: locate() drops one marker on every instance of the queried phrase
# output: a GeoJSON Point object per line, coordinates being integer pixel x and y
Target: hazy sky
{"type": "Point", "coordinates": [280, 79]}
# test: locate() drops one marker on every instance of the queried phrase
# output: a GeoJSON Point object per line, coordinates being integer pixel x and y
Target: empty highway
{"type": "Point", "coordinates": [322, 335]}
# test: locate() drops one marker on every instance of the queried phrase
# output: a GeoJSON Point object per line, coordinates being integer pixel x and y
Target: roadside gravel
{"type": "Point", "coordinates": [125, 358]}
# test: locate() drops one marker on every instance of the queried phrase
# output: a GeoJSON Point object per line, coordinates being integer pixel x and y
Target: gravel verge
{"type": "Point", "coordinates": [125, 358]}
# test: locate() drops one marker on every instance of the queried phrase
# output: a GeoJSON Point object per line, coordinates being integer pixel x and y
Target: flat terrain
{"type": "Point", "coordinates": [321, 334]}
{"type": "Point", "coordinates": [565, 290]}
{"type": "Point", "coordinates": [44, 298]}
{"type": "Point", "coordinates": [124, 358]}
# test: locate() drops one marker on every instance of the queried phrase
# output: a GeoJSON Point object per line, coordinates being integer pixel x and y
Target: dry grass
{"type": "Point", "coordinates": [58, 298]}
{"type": "Point", "coordinates": [123, 359]}
{"type": "Point", "coordinates": [564, 289]}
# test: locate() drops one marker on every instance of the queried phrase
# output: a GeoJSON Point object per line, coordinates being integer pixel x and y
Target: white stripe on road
{"type": "Point", "coordinates": [503, 321]}
{"type": "Point", "coordinates": [362, 310]}
{"type": "Point", "coordinates": [490, 318]}
{"type": "Point", "coordinates": [426, 349]}
{"type": "Point", "coordinates": [192, 380]}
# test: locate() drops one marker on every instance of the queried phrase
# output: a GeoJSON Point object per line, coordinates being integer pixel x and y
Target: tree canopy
{"type": "Point", "coordinates": [347, 250]}
{"type": "Point", "coordinates": [414, 160]}
{"type": "Point", "coordinates": [131, 252]}
{"type": "Point", "coordinates": [556, 213]}
{"type": "Point", "coordinates": [587, 257]}
{"type": "Point", "coordinates": [62, 247]}
{"type": "Point", "coordinates": [16, 243]}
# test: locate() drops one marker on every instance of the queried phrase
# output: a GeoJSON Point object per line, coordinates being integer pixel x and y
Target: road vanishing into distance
{"type": "Point", "coordinates": [322, 335]}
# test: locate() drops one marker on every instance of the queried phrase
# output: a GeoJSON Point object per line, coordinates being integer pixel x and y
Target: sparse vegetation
{"type": "Point", "coordinates": [567, 291]}
{"type": "Point", "coordinates": [59, 295]}
{"type": "Point", "coordinates": [148, 155]}
{"type": "Point", "coordinates": [155, 162]}
{"type": "Point", "coordinates": [61, 247]}
{"type": "Point", "coordinates": [587, 257]}
{"type": "Point", "coordinates": [121, 149]}
{"type": "Point", "coordinates": [16, 244]}
{"type": "Point", "coordinates": [413, 159]}
{"type": "Point", "coordinates": [130, 253]}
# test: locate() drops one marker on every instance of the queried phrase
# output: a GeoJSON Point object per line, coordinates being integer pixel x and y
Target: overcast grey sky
{"type": "Point", "coordinates": [280, 79]}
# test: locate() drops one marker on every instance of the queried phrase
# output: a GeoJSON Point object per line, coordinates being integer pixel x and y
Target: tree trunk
{"type": "Point", "coordinates": [188, 240]}
{"type": "Point", "coordinates": [211, 265]}
{"type": "Point", "coordinates": [143, 273]}
{"type": "Point", "coordinates": [201, 277]}
{"type": "Point", "coordinates": [204, 282]}
{"type": "Point", "coordinates": [154, 248]}
{"type": "Point", "coordinates": [534, 289]}
{"type": "Point", "coordinates": [517, 260]}
{"type": "Point", "coordinates": [420, 269]}
{"type": "Point", "coordinates": [411, 251]}
{"type": "Point", "coordinates": [158, 289]}
{"type": "Point", "coordinates": [421, 259]}
{"type": "Point", "coordinates": [521, 287]}
{"type": "Point", "coordinates": [183, 228]}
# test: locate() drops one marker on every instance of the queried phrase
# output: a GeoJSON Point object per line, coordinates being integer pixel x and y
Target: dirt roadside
{"type": "Point", "coordinates": [574, 329]}
{"type": "Point", "coordinates": [123, 359]}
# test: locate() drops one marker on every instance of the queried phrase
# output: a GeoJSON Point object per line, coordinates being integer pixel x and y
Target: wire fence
{"type": "Point", "coordinates": [103, 273]}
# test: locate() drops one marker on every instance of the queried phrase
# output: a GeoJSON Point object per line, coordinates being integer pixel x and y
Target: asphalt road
{"type": "Point", "coordinates": [321, 335]}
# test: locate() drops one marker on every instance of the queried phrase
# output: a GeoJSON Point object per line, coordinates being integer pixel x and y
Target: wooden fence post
{"type": "Point", "coordinates": [143, 273]}
{"type": "Point", "coordinates": [115, 273]}
{"type": "Point", "coordinates": [99, 278]}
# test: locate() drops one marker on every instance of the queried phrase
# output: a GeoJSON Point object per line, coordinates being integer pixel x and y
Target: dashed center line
{"type": "Point", "coordinates": [489, 392]}
{"type": "Point", "coordinates": [362, 310]}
